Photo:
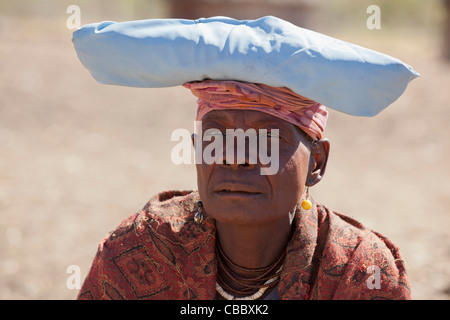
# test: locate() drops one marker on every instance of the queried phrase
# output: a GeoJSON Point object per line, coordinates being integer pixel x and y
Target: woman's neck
{"type": "Point", "coordinates": [256, 252]}
{"type": "Point", "coordinates": [254, 246]}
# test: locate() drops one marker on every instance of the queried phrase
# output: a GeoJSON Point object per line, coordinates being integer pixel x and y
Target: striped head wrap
{"type": "Point", "coordinates": [280, 102]}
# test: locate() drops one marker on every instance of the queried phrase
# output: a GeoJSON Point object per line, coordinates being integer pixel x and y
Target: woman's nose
{"type": "Point", "coordinates": [236, 165]}
{"type": "Point", "coordinates": [242, 154]}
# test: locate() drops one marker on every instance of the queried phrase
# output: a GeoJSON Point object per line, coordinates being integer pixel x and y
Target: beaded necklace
{"type": "Point", "coordinates": [263, 279]}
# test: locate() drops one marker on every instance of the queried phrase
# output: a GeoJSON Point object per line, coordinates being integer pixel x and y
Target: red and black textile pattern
{"type": "Point", "coordinates": [161, 253]}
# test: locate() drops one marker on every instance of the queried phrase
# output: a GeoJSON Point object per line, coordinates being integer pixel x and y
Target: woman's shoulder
{"type": "Point", "coordinates": [141, 258]}
{"type": "Point", "coordinates": [173, 207]}
{"type": "Point", "coordinates": [369, 263]}
{"type": "Point", "coordinates": [169, 216]}
{"type": "Point", "coordinates": [351, 233]}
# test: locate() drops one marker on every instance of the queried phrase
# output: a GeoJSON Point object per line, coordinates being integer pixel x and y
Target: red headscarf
{"type": "Point", "coordinates": [280, 102]}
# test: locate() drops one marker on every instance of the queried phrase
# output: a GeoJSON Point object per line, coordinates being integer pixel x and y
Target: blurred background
{"type": "Point", "coordinates": [76, 157]}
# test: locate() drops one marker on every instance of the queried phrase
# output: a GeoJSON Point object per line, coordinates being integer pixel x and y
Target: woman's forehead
{"type": "Point", "coordinates": [251, 118]}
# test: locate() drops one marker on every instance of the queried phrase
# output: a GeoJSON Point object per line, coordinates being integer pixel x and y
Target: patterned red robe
{"type": "Point", "coordinates": [161, 253]}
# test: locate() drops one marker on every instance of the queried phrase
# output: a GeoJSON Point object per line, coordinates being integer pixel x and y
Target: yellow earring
{"type": "Point", "coordinates": [306, 204]}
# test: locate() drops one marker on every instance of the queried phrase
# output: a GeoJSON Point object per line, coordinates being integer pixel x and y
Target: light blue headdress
{"type": "Point", "coordinates": [171, 52]}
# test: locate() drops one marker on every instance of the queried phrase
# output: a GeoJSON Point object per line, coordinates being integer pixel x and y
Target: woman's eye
{"type": "Point", "coordinates": [213, 132]}
{"type": "Point", "coordinates": [270, 134]}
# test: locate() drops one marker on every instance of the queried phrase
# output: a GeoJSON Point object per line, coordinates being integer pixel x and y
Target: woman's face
{"type": "Point", "coordinates": [239, 193]}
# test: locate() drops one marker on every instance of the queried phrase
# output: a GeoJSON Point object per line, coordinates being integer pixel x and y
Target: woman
{"type": "Point", "coordinates": [245, 234]}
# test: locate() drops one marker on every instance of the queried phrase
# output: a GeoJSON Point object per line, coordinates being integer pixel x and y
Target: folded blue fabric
{"type": "Point", "coordinates": [170, 52]}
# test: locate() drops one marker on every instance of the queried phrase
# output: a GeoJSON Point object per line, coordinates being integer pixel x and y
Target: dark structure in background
{"type": "Point", "coordinates": [446, 31]}
{"type": "Point", "coordinates": [295, 11]}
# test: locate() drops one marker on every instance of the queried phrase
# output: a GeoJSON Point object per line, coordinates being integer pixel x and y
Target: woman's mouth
{"type": "Point", "coordinates": [237, 193]}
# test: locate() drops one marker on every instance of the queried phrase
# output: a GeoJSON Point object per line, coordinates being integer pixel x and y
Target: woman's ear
{"type": "Point", "coordinates": [320, 151]}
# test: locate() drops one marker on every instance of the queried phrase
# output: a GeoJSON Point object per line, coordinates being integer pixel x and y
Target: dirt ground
{"type": "Point", "coordinates": [76, 158]}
